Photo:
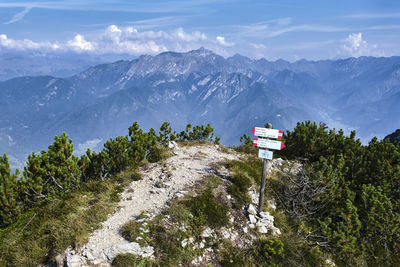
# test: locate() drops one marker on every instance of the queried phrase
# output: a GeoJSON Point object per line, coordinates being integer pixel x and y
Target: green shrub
{"type": "Point", "coordinates": [311, 141]}
{"type": "Point", "coordinates": [204, 206]}
{"type": "Point", "coordinates": [268, 249]}
{"type": "Point", "coordinates": [239, 189]}
{"type": "Point", "coordinates": [53, 173]}
{"type": "Point", "coordinates": [115, 155]}
{"type": "Point", "coordinates": [166, 134]}
{"type": "Point", "coordinates": [247, 145]}
{"type": "Point", "coordinates": [11, 193]}
{"type": "Point", "coordinates": [349, 197]}
{"type": "Point", "coordinates": [198, 133]}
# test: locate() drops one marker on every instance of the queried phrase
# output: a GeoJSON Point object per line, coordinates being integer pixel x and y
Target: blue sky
{"type": "Point", "coordinates": [288, 29]}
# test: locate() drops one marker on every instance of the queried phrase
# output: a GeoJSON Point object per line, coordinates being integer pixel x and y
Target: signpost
{"type": "Point", "coordinates": [267, 133]}
{"type": "Point", "coordinates": [266, 143]}
{"type": "Point", "coordinates": [265, 154]}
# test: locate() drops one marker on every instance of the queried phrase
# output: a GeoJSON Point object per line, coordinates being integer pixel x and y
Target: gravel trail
{"type": "Point", "coordinates": [160, 183]}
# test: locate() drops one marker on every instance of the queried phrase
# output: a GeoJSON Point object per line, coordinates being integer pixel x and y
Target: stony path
{"type": "Point", "coordinates": [160, 182]}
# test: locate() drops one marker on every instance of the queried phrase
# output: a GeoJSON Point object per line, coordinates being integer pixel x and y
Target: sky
{"type": "Point", "coordinates": [287, 29]}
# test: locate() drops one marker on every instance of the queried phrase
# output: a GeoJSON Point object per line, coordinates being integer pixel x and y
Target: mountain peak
{"type": "Point", "coordinates": [239, 58]}
{"type": "Point", "coordinates": [201, 52]}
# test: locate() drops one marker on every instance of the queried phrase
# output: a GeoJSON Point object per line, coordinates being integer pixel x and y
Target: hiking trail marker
{"type": "Point", "coordinates": [266, 154]}
{"type": "Point", "coordinates": [266, 132]}
{"type": "Point", "coordinates": [266, 143]}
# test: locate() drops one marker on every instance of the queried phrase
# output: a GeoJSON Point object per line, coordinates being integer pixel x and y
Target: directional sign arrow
{"type": "Point", "coordinates": [265, 132]}
{"type": "Point", "coordinates": [266, 143]}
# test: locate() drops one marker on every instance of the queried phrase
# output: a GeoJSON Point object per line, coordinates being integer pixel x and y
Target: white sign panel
{"type": "Point", "coordinates": [270, 144]}
{"type": "Point", "coordinates": [265, 154]}
{"type": "Point", "coordinates": [268, 133]}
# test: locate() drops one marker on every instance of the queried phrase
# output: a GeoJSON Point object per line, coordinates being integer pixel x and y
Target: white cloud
{"type": "Point", "coordinates": [355, 46]}
{"type": "Point", "coordinates": [195, 36]}
{"type": "Point", "coordinates": [26, 44]}
{"type": "Point", "coordinates": [19, 16]}
{"type": "Point", "coordinates": [80, 44]}
{"type": "Point", "coordinates": [221, 40]}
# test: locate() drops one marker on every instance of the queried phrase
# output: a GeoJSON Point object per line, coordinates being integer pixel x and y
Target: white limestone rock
{"type": "Point", "coordinates": [131, 247]}
{"type": "Point", "coordinates": [207, 232]}
{"type": "Point", "coordinates": [262, 230]}
{"type": "Point", "coordinates": [252, 209]}
{"type": "Point", "coordinates": [252, 219]}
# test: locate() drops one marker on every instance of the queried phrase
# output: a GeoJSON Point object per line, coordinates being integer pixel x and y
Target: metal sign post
{"type": "Point", "coordinates": [262, 187]}
{"type": "Point", "coordinates": [265, 154]}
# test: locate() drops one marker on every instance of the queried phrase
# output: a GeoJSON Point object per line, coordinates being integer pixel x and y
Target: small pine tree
{"type": "Point", "coordinates": [10, 193]}
{"type": "Point", "coordinates": [116, 154]}
{"type": "Point", "coordinates": [53, 173]}
{"type": "Point", "coordinates": [166, 134]}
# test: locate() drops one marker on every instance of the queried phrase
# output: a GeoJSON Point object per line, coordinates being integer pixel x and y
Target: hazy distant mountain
{"type": "Point", "coordinates": [17, 64]}
{"type": "Point", "coordinates": [233, 94]}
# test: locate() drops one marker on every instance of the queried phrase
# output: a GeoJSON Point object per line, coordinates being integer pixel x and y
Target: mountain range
{"type": "Point", "coordinates": [232, 94]}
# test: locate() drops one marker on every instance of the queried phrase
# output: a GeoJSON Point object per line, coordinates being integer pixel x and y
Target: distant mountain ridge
{"type": "Point", "coordinates": [232, 94]}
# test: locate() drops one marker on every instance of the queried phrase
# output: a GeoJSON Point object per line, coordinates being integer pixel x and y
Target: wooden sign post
{"type": "Point", "coordinates": [265, 154]}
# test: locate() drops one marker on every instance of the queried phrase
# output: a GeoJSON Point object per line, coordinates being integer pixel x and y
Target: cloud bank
{"type": "Point", "coordinates": [129, 40]}
{"type": "Point", "coordinates": [120, 40]}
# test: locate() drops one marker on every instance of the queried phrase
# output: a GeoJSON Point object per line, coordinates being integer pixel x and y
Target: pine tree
{"type": "Point", "coordinates": [53, 173]}
{"type": "Point", "coordinates": [10, 193]}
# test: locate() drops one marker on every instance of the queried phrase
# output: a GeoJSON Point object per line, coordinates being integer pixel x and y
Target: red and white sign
{"type": "Point", "coordinates": [266, 143]}
{"type": "Point", "coordinates": [268, 133]}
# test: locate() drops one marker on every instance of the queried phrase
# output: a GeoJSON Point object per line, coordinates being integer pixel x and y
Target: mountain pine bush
{"type": "Point", "coordinates": [347, 201]}
{"type": "Point", "coordinates": [11, 190]}
{"type": "Point", "coordinates": [198, 133]}
{"type": "Point", "coordinates": [52, 173]}
{"type": "Point", "coordinates": [94, 165]}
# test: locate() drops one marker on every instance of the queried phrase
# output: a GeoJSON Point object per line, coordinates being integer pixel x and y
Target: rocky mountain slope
{"type": "Point", "coordinates": [233, 94]}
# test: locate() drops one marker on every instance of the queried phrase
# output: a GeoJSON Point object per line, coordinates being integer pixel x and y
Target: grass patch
{"type": "Point", "coordinates": [207, 210]}
{"type": "Point", "coordinates": [131, 230]}
{"type": "Point", "coordinates": [131, 260]}
{"type": "Point", "coordinates": [211, 181]}
{"type": "Point", "coordinates": [239, 189]}
{"type": "Point", "coordinates": [136, 176]}
{"type": "Point", "coordinates": [167, 245]}
{"type": "Point", "coordinates": [287, 250]}
{"type": "Point", "coordinates": [47, 230]}
{"type": "Point", "coordinates": [232, 256]}
{"type": "Point", "coordinates": [252, 166]}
